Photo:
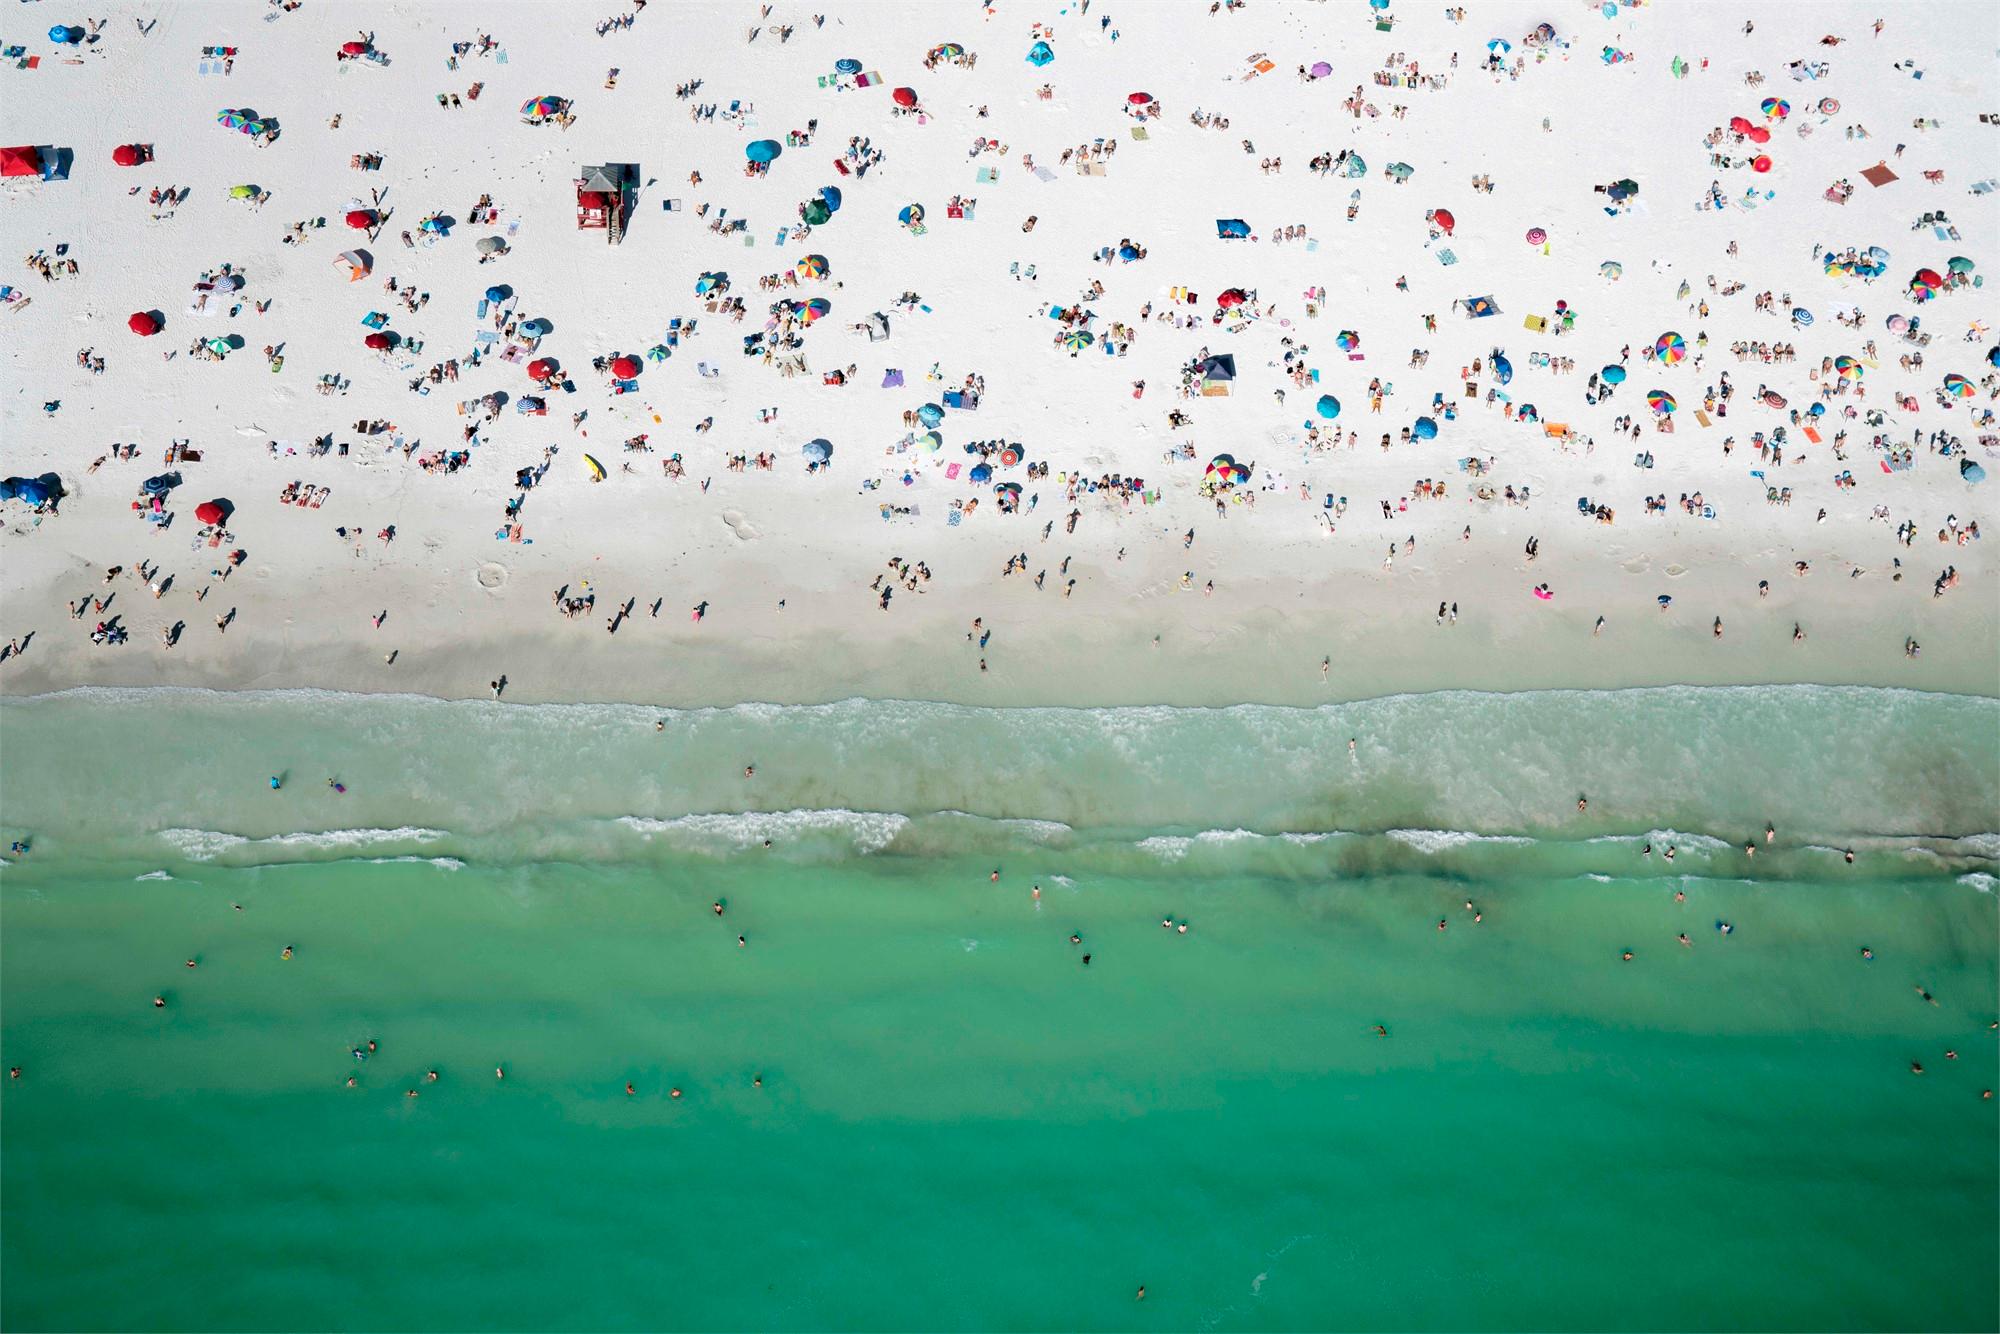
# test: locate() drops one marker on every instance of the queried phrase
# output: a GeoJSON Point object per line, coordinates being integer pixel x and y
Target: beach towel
{"type": "Point", "coordinates": [1044, 173]}
{"type": "Point", "coordinates": [1702, 417]}
{"type": "Point", "coordinates": [987, 175]}
{"type": "Point", "coordinates": [951, 470]}
{"type": "Point", "coordinates": [1446, 258]}
{"type": "Point", "coordinates": [1139, 132]}
{"type": "Point", "coordinates": [892, 378]}
{"type": "Point", "coordinates": [1535, 324]}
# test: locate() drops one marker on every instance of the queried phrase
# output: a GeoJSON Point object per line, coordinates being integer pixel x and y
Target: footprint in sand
{"type": "Point", "coordinates": [1638, 564]}
{"type": "Point", "coordinates": [492, 575]}
{"type": "Point", "coordinates": [745, 530]}
{"type": "Point", "coordinates": [1676, 571]}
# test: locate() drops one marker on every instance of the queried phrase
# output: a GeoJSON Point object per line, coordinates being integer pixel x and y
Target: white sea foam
{"type": "Point", "coordinates": [203, 845]}
{"type": "Point", "coordinates": [1442, 840]}
{"type": "Point", "coordinates": [1173, 847]}
{"type": "Point", "coordinates": [1979, 880]}
{"type": "Point", "coordinates": [866, 831]}
{"type": "Point", "coordinates": [153, 875]}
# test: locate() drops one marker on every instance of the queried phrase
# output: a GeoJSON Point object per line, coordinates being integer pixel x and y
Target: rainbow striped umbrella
{"type": "Point", "coordinates": [1958, 386]}
{"type": "Point", "coordinates": [1847, 368]}
{"type": "Point", "coordinates": [1660, 401]}
{"type": "Point", "coordinates": [1777, 108]}
{"type": "Point", "coordinates": [812, 266]}
{"type": "Point", "coordinates": [1671, 348]}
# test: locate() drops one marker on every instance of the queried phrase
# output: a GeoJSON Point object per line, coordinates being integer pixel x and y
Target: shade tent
{"type": "Point", "coordinates": [21, 160]}
{"type": "Point", "coordinates": [1041, 53]}
{"type": "Point", "coordinates": [1221, 367]}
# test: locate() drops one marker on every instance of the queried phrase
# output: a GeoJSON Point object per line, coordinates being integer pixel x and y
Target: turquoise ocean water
{"type": "Point", "coordinates": [960, 1124]}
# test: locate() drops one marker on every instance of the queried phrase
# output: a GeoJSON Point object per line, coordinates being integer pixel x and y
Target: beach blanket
{"type": "Point", "coordinates": [1044, 173]}
{"type": "Point", "coordinates": [1878, 176]}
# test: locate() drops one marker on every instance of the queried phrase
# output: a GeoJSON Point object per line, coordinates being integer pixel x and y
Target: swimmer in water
{"type": "Point", "coordinates": [1182, 928]}
{"type": "Point", "coordinates": [1381, 1032]}
{"type": "Point", "coordinates": [1441, 923]}
{"type": "Point", "coordinates": [749, 771]}
{"type": "Point", "coordinates": [1867, 953]}
{"type": "Point", "coordinates": [285, 953]}
{"type": "Point", "coordinates": [1583, 803]}
{"type": "Point", "coordinates": [630, 1091]}
{"type": "Point", "coordinates": [1166, 923]}
{"type": "Point", "coordinates": [159, 1002]}
{"type": "Point", "coordinates": [717, 905]}
{"type": "Point", "coordinates": [1848, 856]}
{"type": "Point", "coordinates": [673, 1093]}
{"type": "Point", "coordinates": [1770, 831]}
{"type": "Point", "coordinates": [431, 1077]}
{"type": "Point", "coordinates": [741, 942]}
{"type": "Point", "coordinates": [1670, 852]}
{"type": "Point", "coordinates": [1926, 995]}
{"type": "Point", "coordinates": [1626, 956]}
{"type": "Point", "coordinates": [1680, 896]}
{"type": "Point", "coordinates": [350, 1081]}
{"type": "Point", "coordinates": [1075, 939]}
{"type": "Point", "coordinates": [1724, 927]}
{"type": "Point", "coordinates": [1685, 941]}
{"type": "Point", "coordinates": [274, 782]}
{"type": "Point", "coordinates": [756, 1081]}
{"type": "Point", "coordinates": [499, 1072]}
{"type": "Point", "coordinates": [1647, 852]}
{"type": "Point", "coordinates": [995, 877]}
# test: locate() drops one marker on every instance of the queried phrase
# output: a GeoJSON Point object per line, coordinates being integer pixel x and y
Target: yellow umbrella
{"type": "Point", "coordinates": [596, 468]}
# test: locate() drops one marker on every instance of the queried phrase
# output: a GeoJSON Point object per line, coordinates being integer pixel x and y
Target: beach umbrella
{"type": "Point", "coordinates": [1222, 466]}
{"type": "Point", "coordinates": [143, 323]}
{"type": "Point", "coordinates": [1444, 220]}
{"type": "Point", "coordinates": [816, 307]}
{"type": "Point", "coordinates": [1611, 269]}
{"type": "Point", "coordinates": [1660, 401]}
{"type": "Point", "coordinates": [1009, 457]}
{"type": "Point", "coordinates": [64, 35]}
{"type": "Point", "coordinates": [1958, 386]}
{"type": "Point", "coordinates": [594, 468]}
{"type": "Point", "coordinates": [930, 414]}
{"type": "Point", "coordinates": [1848, 368]}
{"type": "Point", "coordinates": [358, 264]}
{"type": "Point", "coordinates": [536, 328]}
{"type": "Point", "coordinates": [1958, 264]}
{"type": "Point", "coordinates": [1993, 356]}
{"type": "Point", "coordinates": [1774, 399]}
{"type": "Point", "coordinates": [1424, 429]}
{"type": "Point", "coordinates": [498, 293]}
{"type": "Point", "coordinates": [931, 441]}
{"type": "Point", "coordinates": [624, 368]}
{"type": "Point", "coordinates": [1621, 190]}
{"type": "Point", "coordinates": [1012, 490]}
{"type": "Point", "coordinates": [242, 192]}
{"type": "Point", "coordinates": [847, 65]}
{"type": "Point", "coordinates": [537, 108]}
{"type": "Point", "coordinates": [1613, 374]}
{"type": "Point", "coordinates": [431, 224]}
{"type": "Point", "coordinates": [763, 150]}
{"type": "Point", "coordinates": [904, 97]}
{"type": "Point", "coordinates": [1671, 348]}
{"type": "Point", "coordinates": [816, 212]}
{"type": "Point", "coordinates": [1078, 339]}
{"type": "Point", "coordinates": [1231, 229]}
{"type": "Point", "coordinates": [1527, 413]}
{"type": "Point", "coordinates": [231, 119]}
{"type": "Point", "coordinates": [980, 473]}
{"type": "Point", "coordinates": [1761, 163]}
{"type": "Point", "coordinates": [1925, 284]}
{"type": "Point", "coordinates": [1138, 99]}
{"type": "Point", "coordinates": [379, 341]}
{"type": "Point", "coordinates": [1128, 253]}
{"type": "Point", "coordinates": [817, 451]}
{"type": "Point", "coordinates": [830, 196]}
{"type": "Point", "coordinates": [128, 155]}
{"type": "Point", "coordinates": [1499, 46]}
{"type": "Point", "coordinates": [1328, 406]}
{"type": "Point", "coordinates": [1402, 171]}
{"type": "Point", "coordinates": [911, 213]}
{"type": "Point", "coordinates": [812, 266]}
{"type": "Point", "coordinates": [1321, 69]}
{"type": "Point", "coordinates": [1757, 134]}
{"type": "Point", "coordinates": [1503, 369]}
{"type": "Point", "coordinates": [542, 370]}
{"type": "Point", "coordinates": [361, 219]}
{"type": "Point", "coordinates": [254, 127]}
{"type": "Point", "coordinates": [1801, 316]}
{"type": "Point", "coordinates": [1829, 106]}
{"type": "Point", "coordinates": [1740, 124]}
{"type": "Point", "coordinates": [1536, 236]}
{"type": "Point", "coordinates": [1775, 108]}
{"type": "Point", "coordinates": [1347, 340]}
{"type": "Point", "coordinates": [1040, 54]}
{"type": "Point", "coordinates": [33, 490]}
{"type": "Point", "coordinates": [947, 51]}
{"type": "Point", "coordinates": [1357, 166]}
{"type": "Point", "coordinates": [490, 245]}
{"type": "Point", "coordinates": [1971, 471]}
{"type": "Point", "coordinates": [1231, 299]}
{"type": "Point", "coordinates": [708, 282]}
{"type": "Point", "coordinates": [355, 48]}
{"type": "Point", "coordinates": [212, 511]}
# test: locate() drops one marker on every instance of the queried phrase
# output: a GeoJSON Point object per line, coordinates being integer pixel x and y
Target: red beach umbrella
{"type": "Point", "coordinates": [904, 97]}
{"type": "Point", "coordinates": [211, 511]}
{"type": "Point", "coordinates": [354, 48]}
{"type": "Point", "coordinates": [1760, 163]}
{"type": "Point", "coordinates": [128, 155]}
{"type": "Point", "coordinates": [143, 324]}
{"type": "Point", "coordinates": [541, 369]}
{"type": "Point", "coordinates": [625, 368]}
{"type": "Point", "coordinates": [1139, 99]}
{"type": "Point", "coordinates": [361, 219]}
{"type": "Point", "coordinates": [379, 342]}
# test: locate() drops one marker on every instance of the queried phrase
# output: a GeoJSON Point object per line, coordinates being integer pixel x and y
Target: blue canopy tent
{"type": "Point", "coordinates": [1040, 54]}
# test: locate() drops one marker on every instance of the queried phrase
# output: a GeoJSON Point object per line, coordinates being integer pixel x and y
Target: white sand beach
{"type": "Point", "coordinates": [1822, 563]}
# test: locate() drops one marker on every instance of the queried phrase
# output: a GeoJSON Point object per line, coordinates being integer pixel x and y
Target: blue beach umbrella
{"type": "Point", "coordinates": [817, 451]}
{"type": "Point", "coordinates": [980, 473]}
{"type": "Point", "coordinates": [930, 414]}
{"type": "Point", "coordinates": [1503, 369]}
{"type": "Point", "coordinates": [1425, 429]}
{"type": "Point", "coordinates": [1613, 374]}
{"type": "Point", "coordinates": [1328, 406]}
{"type": "Point", "coordinates": [830, 196]}
{"type": "Point", "coordinates": [763, 150]}
{"type": "Point", "coordinates": [847, 65]}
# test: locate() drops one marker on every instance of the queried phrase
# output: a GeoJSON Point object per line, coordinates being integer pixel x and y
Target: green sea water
{"type": "Point", "coordinates": [960, 1124]}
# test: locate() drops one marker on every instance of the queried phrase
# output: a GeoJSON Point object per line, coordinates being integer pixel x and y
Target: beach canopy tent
{"type": "Point", "coordinates": [144, 323]}
{"type": "Point", "coordinates": [129, 155]}
{"type": "Point", "coordinates": [624, 368]}
{"type": "Point", "coordinates": [1041, 53]}
{"type": "Point", "coordinates": [1232, 229]}
{"type": "Point", "coordinates": [213, 511]}
{"type": "Point", "coordinates": [904, 97]}
{"type": "Point", "coordinates": [763, 150]}
{"type": "Point", "coordinates": [357, 262]}
{"type": "Point", "coordinates": [817, 451]}
{"type": "Point", "coordinates": [21, 160]}
{"type": "Point", "coordinates": [361, 219]}
{"type": "Point", "coordinates": [1221, 367]}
